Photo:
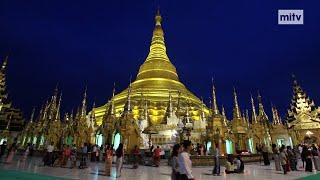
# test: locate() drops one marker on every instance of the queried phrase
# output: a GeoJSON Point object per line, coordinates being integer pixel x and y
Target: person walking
{"type": "Point", "coordinates": [135, 156]}
{"type": "Point", "coordinates": [309, 161]}
{"type": "Point", "coordinates": [315, 154]}
{"type": "Point", "coordinates": [283, 160]}
{"type": "Point", "coordinates": [304, 154]}
{"type": "Point", "coordinates": [11, 151]}
{"type": "Point", "coordinates": [216, 155]}
{"type": "Point", "coordinates": [31, 149]}
{"type": "Point", "coordinates": [259, 151]}
{"type": "Point", "coordinates": [156, 156]}
{"type": "Point", "coordinates": [265, 155]}
{"type": "Point", "coordinates": [66, 156]}
{"type": "Point", "coordinates": [3, 148]}
{"type": "Point", "coordinates": [97, 153]}
{"type": "Point", "coordinates": [119, 154]}
{"type": "Point", "coordinates": [175, 175]}
{"type": "Point", "coordinates": [48, 159]}
{"type": "Point", "coordinates": [108, 160]}
{"type": "Point", "coordinates": [292, 159]}
{"type": "Point", "coordinates": [73, 156]}
{"type": "Point", "coordinates": [276, 157]}
{"type": "Point", "coordinates": [26, 152]}
{"type": "Point", "coordinates": [101, 150]}
{"type": "Point", "coordinates": [84, 155]}
{"type": "Point", "coordinates": [185, 164]}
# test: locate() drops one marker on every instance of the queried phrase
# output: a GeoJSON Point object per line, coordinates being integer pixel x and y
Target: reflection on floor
{"type": "Point", "coordinates": [95, 171]}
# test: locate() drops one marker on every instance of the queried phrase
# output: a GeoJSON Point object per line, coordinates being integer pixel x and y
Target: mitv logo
{"type": "Point", "coordinates": [290, 16]}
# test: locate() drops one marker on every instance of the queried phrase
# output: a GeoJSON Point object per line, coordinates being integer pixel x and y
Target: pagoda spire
{"type": "Point", "coordinates": [170, 106]}
{"type": "Point", "coordinates": [224, 116]}
{"type": "Point", "coordinates": [161, 65]}
{"type": "Point", "coordinates": [145, 109]}
{"type": "Point", "coordinates": [244, 118]}
{"type": "Point", "coordinates": [66, 118]}
{"type": "Point", "coordinates": [300, 101]}
{"type": "Point", "coordinates": [203, 115]}
{"type": "Point", "coordinates": [4, 64]}
{"type": "Point", "coordinates": [187, 116]}
{"type": "Point", "coordinates": [83, 110]}
{"type": "Point", "coordinates": [275, 116]}
{"type": "Point", "coordinates": [93, 115]}
{"type": "Point", "coordinates": [32, 114]}
{"type": "Point", "coordinates": [262, 114]}
{"type": "Point", "coordinates": [158, 47]}
{"type": "Point", "coordinates": [254, 114]}
{"type": "Point", "coordinates": [215, 109]}
{"type": "Point", "coordinates": [247, 117]}
{"type": "Point", "coordinates": [71, 116]}
{"type": "Point", "coordinates": [58, 108]}
{"type": "Point", "coordinates": [236, 109]}
{"type": "Point", "coordinates": [127, 107]}
{"type": "Point", "coordinates": [9, 122]}
{"type": "Point", "coordinates": [111, 108]}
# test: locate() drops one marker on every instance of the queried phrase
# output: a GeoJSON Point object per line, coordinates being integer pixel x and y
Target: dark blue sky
{"type": "Point", "coordinates": [95, 43]}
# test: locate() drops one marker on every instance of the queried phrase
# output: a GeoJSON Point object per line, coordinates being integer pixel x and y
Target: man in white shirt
{"type": "Point", "coordinates": [216, 154]}
{"type": "Point", "coordinates": [185, 164]}
{"type": "Point", "coordinates": [50, 148]}
{"type": "Point", "coordinates": [49, 155]}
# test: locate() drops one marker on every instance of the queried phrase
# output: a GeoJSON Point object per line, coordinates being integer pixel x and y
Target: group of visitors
{"type": "Point", "coordinates": [262, 149]}
{"type": "Point", "coordinates": [286, 158]}
{"type": "Point", "coordinates": [71, 154]}
{"type": "Point", "coordinates": [181, 162]}
{"type": "Point", "coordinates": [10, 152]}
{"type": "Point", "coordinates": [234, 165]}
{"type": "Point", "coordinates": [182, 165]}
{"type": "Point", "coordinates": [201, 149]}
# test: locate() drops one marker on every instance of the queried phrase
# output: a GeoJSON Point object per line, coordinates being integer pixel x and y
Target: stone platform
{"type": "Point", "coordinates": [96, 171]}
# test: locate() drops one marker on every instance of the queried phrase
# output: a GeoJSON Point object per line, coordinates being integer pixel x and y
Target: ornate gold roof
{"type": "Point", "coordinates": [157, 77]}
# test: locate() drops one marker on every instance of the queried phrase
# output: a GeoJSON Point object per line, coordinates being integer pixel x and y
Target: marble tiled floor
{"type": "Point", "coordinates": [95, 172]}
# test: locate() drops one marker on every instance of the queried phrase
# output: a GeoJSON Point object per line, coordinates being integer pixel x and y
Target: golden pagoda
{"type": "Point", "coordinates": [239, 127]}
{"type": "Point", "coordinates": [260, 124]}
{"type": "Point", "coordinates": [11, 118]}
{"type": "Point", "coordinates": [157, 97]}
{"type": "Point", "coordinates": [278, 131]}
{"type": "Point", "coordinates": [157, 108]}
{"type": "Point", "coordinates": [156, 79]}
{"type": "Point", "coordinates": [217, 129]}
{"type": "Point", "coordinates": [303, 117]}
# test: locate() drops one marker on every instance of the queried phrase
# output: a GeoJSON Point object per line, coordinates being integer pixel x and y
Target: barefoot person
{"type": "Point", "coordinates": [185, 164]}
{"type": "Point", "coordinates": [135, 155]}
{"type": "Point", "coordinates": [73, 156]}
{"type": "Point", "coordinates": [276, 157]}
{"type": "Point", "coordinates": [3, 148]}
{"type": "Point", "coordinates": [157, 156]}
{"type": "Point", "coordinates": [175, 165]}
{"type": "Point", "coordinates": [26, 152]}
{"type": "Point", "coordinates": [108, 160]}
{"type": "Point", "coordinates": [119, 154]}
{"type": "Point", "coordinates": [11, 152]}
{"type": "Point", "coordinates": [216, 154]}
{"type": "Point", "coordinates": [283, 160]}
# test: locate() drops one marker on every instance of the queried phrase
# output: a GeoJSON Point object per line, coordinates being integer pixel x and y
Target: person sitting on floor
{"type": "Point", "coordinates": [239, 165]}
{"type": "Point", "coordinates": [229, 165]}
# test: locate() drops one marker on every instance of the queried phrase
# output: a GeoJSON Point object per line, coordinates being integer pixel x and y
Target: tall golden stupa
{"type": "Point", "coordinates": [157, 79]}
{"type": "Point", "coordinates": [158, 109]}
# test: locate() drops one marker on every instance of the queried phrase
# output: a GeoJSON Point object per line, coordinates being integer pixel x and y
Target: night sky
{"type": "Point", "coordinates": [96, 43]}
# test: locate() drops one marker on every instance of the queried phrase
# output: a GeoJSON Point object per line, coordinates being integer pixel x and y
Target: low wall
{"type": "Point", "coordinates": [196, 160]}
{"type": "Point", "coordinates": [209, 160]}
